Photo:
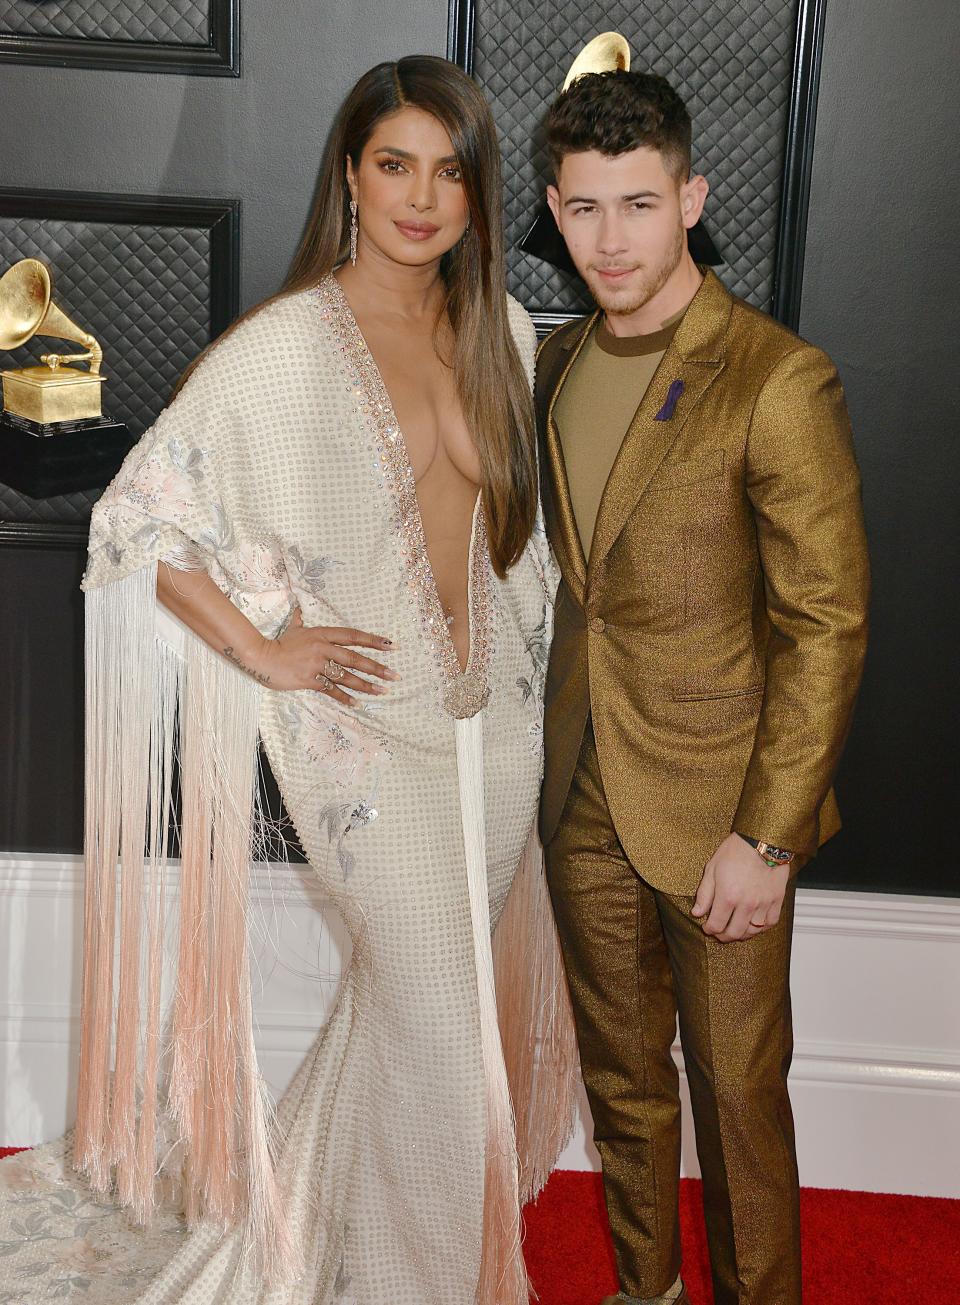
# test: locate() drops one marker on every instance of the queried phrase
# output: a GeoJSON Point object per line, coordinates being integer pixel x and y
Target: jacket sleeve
{"type": "Point", "coordinates": [804, 487]}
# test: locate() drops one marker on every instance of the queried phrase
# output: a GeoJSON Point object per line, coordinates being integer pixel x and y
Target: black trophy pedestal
{"type": "Point", "coordinates": [43, 461]}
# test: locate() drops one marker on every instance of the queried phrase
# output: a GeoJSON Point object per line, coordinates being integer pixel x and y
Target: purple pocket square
{"type": "Point", "coordinates": [673, 394]}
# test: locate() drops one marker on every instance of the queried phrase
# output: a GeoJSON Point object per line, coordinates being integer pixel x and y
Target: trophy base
{"type": "Point", "coordinates": [44, 460]}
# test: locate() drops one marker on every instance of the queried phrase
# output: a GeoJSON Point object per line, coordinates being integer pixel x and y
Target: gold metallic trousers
{"type": "Point", "coordinates": [635, 958]}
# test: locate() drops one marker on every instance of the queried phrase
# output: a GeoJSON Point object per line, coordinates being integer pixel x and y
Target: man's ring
{"type": "Point", "coordinates": [324, 681]}
{"type": "Point", "coordinates": [335, 670]}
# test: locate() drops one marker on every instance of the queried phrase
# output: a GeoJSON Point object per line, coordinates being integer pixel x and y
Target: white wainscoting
{"type": "Point", "coordinates": [876, 983]}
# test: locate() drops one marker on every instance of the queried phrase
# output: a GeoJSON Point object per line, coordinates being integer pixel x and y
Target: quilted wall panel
{"type": "Point", "coordinates": [174, 22]}
{"type": "Point", "coordinates": [145, 290]}
{"type": "Point", "coordinates": [731, 60]}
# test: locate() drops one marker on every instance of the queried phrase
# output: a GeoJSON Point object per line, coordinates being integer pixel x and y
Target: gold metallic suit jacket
{"type": "Point", "coordinates": [716, 633]}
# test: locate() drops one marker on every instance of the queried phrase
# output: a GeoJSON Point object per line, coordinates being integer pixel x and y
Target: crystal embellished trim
{"type": "Point", "coordinates": [462, 692]}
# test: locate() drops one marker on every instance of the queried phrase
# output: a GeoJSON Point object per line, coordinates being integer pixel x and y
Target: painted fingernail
{"type": "Point", "coordinates": [391, 675]}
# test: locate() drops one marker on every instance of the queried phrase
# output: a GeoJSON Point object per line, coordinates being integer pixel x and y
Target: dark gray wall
{"type": "Point", "coordinates": [258, 136]}
{"type": "Point", "coordinates": [880, 294]}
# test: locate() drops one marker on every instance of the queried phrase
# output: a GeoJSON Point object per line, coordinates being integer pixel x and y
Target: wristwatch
{"type": "Point", "coordinates": [773, 856]}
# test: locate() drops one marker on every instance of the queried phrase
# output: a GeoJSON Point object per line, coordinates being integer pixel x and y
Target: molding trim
{"type": "Point", "coordinates": [220, 57]}
{"type": "Point", "coordinates": [798, 163]}
{"type": "Point", "coordinates": [818, 911]}
{"type": "Point", "coordinates": [50, 874]}
{"type": "Point", "coordinates": [824, 1063]}
{"type": "Point", "coordinates": [220, 217]}
{"type": "Point", "coordinates": [42, 534]}
{"type": "Point", "coordinates": [461, 17]}
{"type": "Point", "coordinates": [547, 322]}
{"type": "Point", "coordinates": [872, 1066]}
{"type": "Point", "coordinates": [878, 915]}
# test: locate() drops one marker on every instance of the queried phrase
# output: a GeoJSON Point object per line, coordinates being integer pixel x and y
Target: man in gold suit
{"type": "Point", "coordinates": [703, 501]}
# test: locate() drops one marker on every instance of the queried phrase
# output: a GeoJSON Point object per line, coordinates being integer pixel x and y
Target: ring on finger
{"type": "Point", "coordinates": [324, 681]}
{"type": "Point", "coordinates": [335, 670]}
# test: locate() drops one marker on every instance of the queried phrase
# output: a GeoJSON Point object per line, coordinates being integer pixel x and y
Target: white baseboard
{"type": "Point", "coordinates": [876, 978]}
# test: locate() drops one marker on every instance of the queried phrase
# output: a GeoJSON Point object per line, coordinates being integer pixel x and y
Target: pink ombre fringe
{"type": "Point", "coordinates": [536, 1023]}
{"type": "Point", "coordinates": [137, 688]}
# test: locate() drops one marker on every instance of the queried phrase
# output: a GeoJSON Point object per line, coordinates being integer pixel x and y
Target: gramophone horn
{"type": "Point", "coordinates": [604, 53]}
{"type": "Point", "coordinates": [26, 310]}
{"type": "Point", "coordinates": [24, 300]}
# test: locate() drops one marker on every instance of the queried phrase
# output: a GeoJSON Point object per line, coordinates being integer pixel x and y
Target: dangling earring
{"type": "Point", "coordinates": [353, 232]}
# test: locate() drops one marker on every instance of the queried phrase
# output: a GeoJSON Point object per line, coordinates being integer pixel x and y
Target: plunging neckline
{"type": "Point", "coordinates": [464, 690]}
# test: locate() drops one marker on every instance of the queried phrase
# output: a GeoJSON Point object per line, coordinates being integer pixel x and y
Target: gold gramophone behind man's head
{"type": "Point", "coordinates": [51, 392]}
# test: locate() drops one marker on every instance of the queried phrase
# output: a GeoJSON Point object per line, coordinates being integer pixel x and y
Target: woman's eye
{"type": "Point", "coordinates": [452, 174]}
{"type": "Point", "coordinates": [392, 165]}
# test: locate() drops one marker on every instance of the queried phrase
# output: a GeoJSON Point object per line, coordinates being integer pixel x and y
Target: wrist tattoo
{"type": "Point", "coordinates": [231, 656]}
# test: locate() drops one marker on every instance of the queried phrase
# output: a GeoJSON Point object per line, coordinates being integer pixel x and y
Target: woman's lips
{"type": "Point", "coordinates": [417, 230]}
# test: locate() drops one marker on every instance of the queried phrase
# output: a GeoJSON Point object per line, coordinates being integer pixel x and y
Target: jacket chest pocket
{"type": "Point", "coordinates": [648, 564]}
{"type": "Point", "coordinates": [675, 474]}
{"type": "Point", "coordinates": [683, 494]}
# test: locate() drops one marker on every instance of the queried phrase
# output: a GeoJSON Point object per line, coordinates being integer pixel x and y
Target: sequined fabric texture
{"type": "Point", "coordinates": [464, 692]}
{"type": "Point", "coordinates": [279, 468]}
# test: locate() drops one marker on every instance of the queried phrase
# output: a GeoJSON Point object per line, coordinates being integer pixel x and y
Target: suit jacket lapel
{"type": "Point", "coordinates": [567, 543]}
{"type": "Point", "coordinates": [694, 358]}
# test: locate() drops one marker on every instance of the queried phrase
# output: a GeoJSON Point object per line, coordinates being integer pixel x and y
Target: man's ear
{"type": "Point", "coordinates": [553, 201]}
{"type": "Point", "coordinates": [693, 196]}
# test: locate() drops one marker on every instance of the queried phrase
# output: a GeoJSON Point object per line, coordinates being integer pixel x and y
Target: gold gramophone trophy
{"type": "Point", "coordinates": [54, 438]}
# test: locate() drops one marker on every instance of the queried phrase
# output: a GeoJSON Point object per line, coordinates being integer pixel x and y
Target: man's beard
{"type": "Point", "coordinates": [643, 286]}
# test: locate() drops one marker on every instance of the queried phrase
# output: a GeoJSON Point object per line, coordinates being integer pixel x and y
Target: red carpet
{"type": "Point", "coordinates": [859, 1248]}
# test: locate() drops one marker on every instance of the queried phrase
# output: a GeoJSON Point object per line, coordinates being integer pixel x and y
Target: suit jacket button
{"type": "Point", "coordinates": [597, 624]}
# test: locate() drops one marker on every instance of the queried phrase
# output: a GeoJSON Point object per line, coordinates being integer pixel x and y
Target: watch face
{"type": "Point", "coordinates": [777, 854]}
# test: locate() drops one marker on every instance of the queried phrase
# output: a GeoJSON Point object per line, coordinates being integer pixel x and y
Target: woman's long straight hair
{"type": "Point", "coordinates": [493, 388]}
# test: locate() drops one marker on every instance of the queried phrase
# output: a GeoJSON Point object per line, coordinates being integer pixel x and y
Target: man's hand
{"type": "Point", "coordinates": [739, 896]}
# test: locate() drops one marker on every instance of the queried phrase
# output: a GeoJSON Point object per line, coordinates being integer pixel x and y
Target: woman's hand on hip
{"type": "Point", "coordinates": [323, 658]}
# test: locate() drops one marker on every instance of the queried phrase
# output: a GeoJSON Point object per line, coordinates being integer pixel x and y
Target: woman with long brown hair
{"type": "Point", "coordinates": [338, 512]}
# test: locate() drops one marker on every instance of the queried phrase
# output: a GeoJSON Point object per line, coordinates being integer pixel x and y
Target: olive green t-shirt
{"type": "Point", "coordinates": [596, 406]}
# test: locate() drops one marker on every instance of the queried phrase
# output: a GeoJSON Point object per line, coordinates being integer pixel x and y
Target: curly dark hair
{"type": "Point", "coordinates": [618, 111]}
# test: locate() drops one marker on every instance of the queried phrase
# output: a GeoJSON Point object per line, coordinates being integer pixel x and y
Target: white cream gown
{"type": "Point", "coordinates": [281, 470]}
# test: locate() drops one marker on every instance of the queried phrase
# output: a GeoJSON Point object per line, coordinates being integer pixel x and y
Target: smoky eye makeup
{"type": "Point", "coordinates": [391, 161]}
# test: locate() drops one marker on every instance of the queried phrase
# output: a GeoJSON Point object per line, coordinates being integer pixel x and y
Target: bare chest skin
{"type": "Point", "coordinates": [444, 460]}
